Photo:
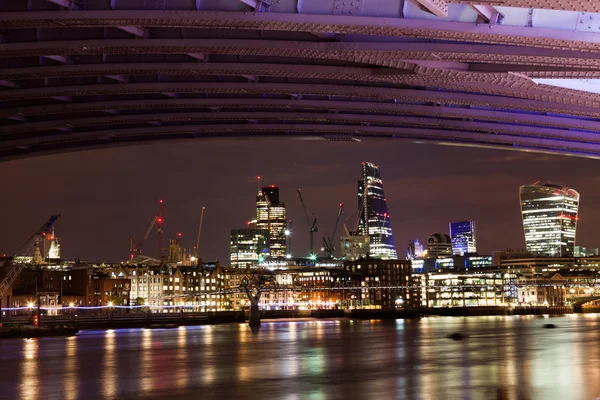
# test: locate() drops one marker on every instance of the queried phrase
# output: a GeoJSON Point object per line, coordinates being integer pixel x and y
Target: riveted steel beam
{"type": "Point", "coordinates": [234, 69]}
{"type": "Point", "coordinates": [311, 105]}
{"type": "Point", "coordinates": [443, 30]}
{"type": "Point", "coordinates": [454, 57]}
{"type": "Point", "coordinates": [135, 30]}
{"type": "Point", "coordinates": [435, 7]}
{"type": "Point", "coordinates": [560, 97]}
{"type": "Point", "coordinates": [487, 13]}
{"type": "Point", "coordinates": [113, 122]}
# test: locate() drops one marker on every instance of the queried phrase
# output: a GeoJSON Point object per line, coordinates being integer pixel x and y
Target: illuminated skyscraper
{"type": "Point", "coordinates": [462, 234]}
{"type": "Point", "coordinates": [549, 219]}
{"type": "Point", "coordinates": [271, 216]}
{"type": "Point", "coordinates": [374, 220]}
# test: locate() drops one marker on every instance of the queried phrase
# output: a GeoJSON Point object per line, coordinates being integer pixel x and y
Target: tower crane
{"type": "Point", "coordinates": [329, 241]}
{"type": "Point", "coordinates": [26, 249]}
{"type": "Point", "coordinates": [135, 248]}
{"type": "Point", "coordinates": [312, 226]}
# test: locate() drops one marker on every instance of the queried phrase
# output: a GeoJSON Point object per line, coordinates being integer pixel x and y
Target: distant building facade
{"type": "Point", "coordinates": [439, 245]}
{"type": "Point", "coordinates": [462, 235]}
{"type": "Point", "coordinates": [414, 250]}
{"type": "Point", "coordinates": [374, 220]}
{"type": "Point", "coordinates": [355, 247]}
{"type": "Point", "coordinates": [585, 251]}
{"type": "Point", "coordinates": [550, 215]}
{"type": "Point", "coordinates": [248, 247]}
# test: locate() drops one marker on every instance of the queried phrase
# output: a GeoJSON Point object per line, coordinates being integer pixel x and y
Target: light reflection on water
{"type": "Point", "coordinates": [501, 358]}
{"type": "Point", "coordinates": [29, 370]}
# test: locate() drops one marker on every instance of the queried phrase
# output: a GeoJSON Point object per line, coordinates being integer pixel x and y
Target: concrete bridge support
{"type": "Point", "coordinates": [254, 317]}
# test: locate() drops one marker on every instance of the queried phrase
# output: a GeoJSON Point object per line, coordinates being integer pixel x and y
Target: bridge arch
{"type": "Point", "coordinates": [578, 302]}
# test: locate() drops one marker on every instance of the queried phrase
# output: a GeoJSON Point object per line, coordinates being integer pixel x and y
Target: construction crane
{"type": "Point", "coordinates": [197, 249]}
{"type": "Point", "coordinates": [329, 241]}
{"type": "Point", "coordinates": [135, 248]}
{"type": "Point", "coordinates": [28, 248]}
{"type": "Point", "coordinates": [312, 226]}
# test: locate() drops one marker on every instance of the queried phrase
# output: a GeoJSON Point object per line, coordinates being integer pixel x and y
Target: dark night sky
{"type": "Point", "coordinates": [107, 195]}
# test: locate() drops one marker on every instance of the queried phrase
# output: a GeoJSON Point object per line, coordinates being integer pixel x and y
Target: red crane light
{"type": "Point", "coordinates": [160, 201]}
{"type": "Point", "coordinates": [160, 220]}
{"type": "Point", "coordinates": [179, 234]}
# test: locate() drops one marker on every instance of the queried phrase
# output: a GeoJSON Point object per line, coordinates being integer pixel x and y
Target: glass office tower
{"type": "Point", "coordinates": [549, 219]}
{"type": "Point", "coordinates": [374, 220]}
{"type": "Point", "coordinates": [247, 247]}
{"type": "Point", "coordinates": [271, 216]}
{"type": "Point", "coordinates": [462, 234]}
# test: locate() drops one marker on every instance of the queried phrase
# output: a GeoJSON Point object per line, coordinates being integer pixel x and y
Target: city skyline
{"type": "Point", "coordinates": [118, 192]}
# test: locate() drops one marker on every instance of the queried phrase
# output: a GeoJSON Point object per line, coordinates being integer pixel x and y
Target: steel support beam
{"type": "Point", "coordinates": [383, 54]}
{"type": "Point", "coordinates": [404, 27]}
{"type": "Point", "coordinates": [231, 130]}
{"type": "Point", "coordinates": [191, 68]}
{"type": "Point", "coordinates": [135, 30]}
{"type": "Point", "coordinates": [487, 13]}
{"type": "Point", "coordinates": [68, 4]}
{"type": "Point", "coordinates": [322, 105]}
{"type": "Point", "coordinates": [119, 78]}
{"type": "Point", "coordinates": [8, 84]}
{"type": "Point", "coordinates": [113, 122]}
{"type": "Point", "coordinates": [557, 100]}
{"type": "Point", "coordinates": [60, 59]}
{"type": "Point", "coordinates": [435, 7]}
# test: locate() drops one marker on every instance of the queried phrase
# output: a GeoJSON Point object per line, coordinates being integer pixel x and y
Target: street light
{"type": "Point", "coordinates": [110, 303]}
{"type": "Point", "coordinates": [71, 304]}
{"type": "Point", "coordinates": [30, 304]}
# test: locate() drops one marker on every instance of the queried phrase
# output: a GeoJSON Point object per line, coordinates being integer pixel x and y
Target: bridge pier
{"type": "Point", "coordinates": [254, 316]}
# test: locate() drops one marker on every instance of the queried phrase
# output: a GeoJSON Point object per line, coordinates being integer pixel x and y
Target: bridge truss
{"type": "Point", "coordinates": [513, 74]}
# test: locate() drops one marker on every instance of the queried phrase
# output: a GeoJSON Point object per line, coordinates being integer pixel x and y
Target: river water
{"type": "Point", "coordinates": [510, 357]}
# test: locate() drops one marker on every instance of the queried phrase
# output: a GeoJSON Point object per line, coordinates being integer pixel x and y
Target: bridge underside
{"type": "Point", "coordinates": [84, 73]}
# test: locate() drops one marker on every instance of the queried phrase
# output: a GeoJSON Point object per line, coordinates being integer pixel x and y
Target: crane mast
{"type": "Point", "coordinates": [312, 226]}
{"type": "Point", "coordinates": [329, 242]}
{"type": "Point", "coordinates": [199, 232]}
